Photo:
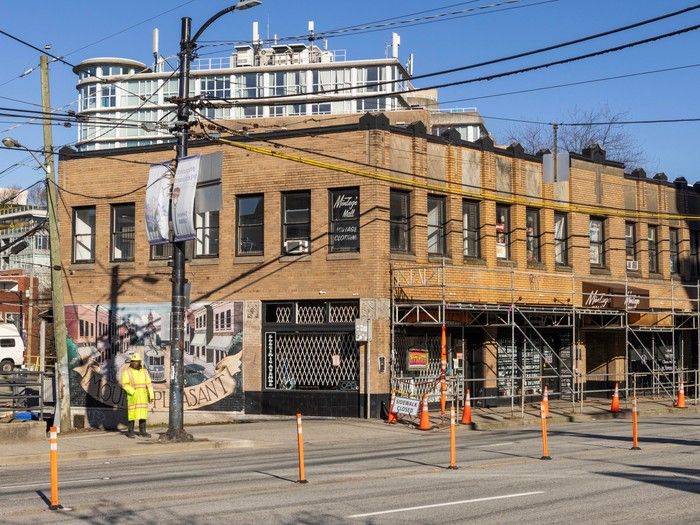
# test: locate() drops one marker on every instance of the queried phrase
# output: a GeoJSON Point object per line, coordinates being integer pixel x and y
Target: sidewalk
{"type": "Point", "coordinates": [268, 432]}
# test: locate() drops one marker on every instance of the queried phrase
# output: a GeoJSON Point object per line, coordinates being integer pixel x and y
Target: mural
{"type": "Point", "coordinates": [101, 338]}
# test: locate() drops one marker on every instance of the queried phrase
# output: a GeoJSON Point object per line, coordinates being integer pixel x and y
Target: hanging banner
{"type": "Point", "coordinates": [157, 206]}
{"type": "Point", "coordinates": [184, 189]}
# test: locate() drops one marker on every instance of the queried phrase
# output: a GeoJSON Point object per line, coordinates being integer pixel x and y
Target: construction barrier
{"type": "Point", "coordinates": [300, 443]}
{"type": "Point", "coordinates": [615, 403]}
{"type": "Point", "coordinates": [424, 421]}
{"type": "Point", "coordinates": [467, 410]}
{"type": "Point", "coordinates": [545, 448]}
{"type": "Point", "coordinates": [635, 436]}
{"type": "Point", "coordinates": [680, 399]}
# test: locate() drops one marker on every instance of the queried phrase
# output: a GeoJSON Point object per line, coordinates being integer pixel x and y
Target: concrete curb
{"type": "Point", "coordinates": [145, 448]}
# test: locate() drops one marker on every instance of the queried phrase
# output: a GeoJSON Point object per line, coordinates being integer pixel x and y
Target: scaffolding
{"type": "Point", "coordinates": [523, 309]}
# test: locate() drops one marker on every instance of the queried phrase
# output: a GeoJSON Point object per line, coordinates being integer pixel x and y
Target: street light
{"type": "Point", "coordinates": [9, 142]}
{"type": "Point", "coordinates": [176, 432]}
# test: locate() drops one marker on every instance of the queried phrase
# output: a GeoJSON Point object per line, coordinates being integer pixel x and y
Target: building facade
{"type": "Point", "coordinates": [567, 278]}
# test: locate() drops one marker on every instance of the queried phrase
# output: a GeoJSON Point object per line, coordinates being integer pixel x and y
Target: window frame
{"type": "Point", "coordinates": [653, 248]}
{"type": "Point", "coordinates": [122, 234]}
{"type": "Point", "coordinates": [601, 262]}
{"type": "Point", "coordinates": [674, 250]}
{"type": "Point", "coordinates": [240, 226]}
{"type": "Point", "coordinates": [402, 222]}
{"type": "Point", "coordinates": [533, 237]}
{"type": "Point", "coordinates": [561, 243]}
{"type": "Point", "coordinates": [471, 233]}
{"type": "Point", "coordinates": [204, 240]}
{"type": "Point", "coordinates": [92, 235]}
{"type": "Point", "coordinates": [286, 223]}
{"type": "Point", "coordinates": [630, 241]}
{"type": "Point", "coordinates": [505, 234]}
{"type": "Point", "coordinates": [438, 229]}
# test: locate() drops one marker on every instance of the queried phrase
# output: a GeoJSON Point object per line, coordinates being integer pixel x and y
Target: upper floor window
{"type": "Point", "coordinates": [630, 242]}
{"type": "Point", "coordinates": [250, 224]}
{"type": "Point", "coordinates": [109, 96]}
{"type": "Point", "coordinates": [161, 251]}
{"type": "Point", "coordinates": [215, 87]}
{"type": "Point", "coordinates": [532, 222]}
{"type": "Point", "coordinates": [502, 231]}
{"type": "Point", "coordinates": [674, 249]}
{"type": "Point", "coordinates": [561, 239]}
{"type": "Point", "coordinates": [88, 97]}
{"type": "Point", "coordinates": [296, 227]}
{"type": "Point", "coordinates": [471, 227]}
{"type": "Point", "coordinates": [399, 209]}
{"type": "Point", "coordinates": [694, 234]}
{"type": "Point", "coordinates": [436, 225]}
{"type": "Point", "coordinates": [344, 230]}
{"type": "Point", "coordinates": [123, 232]}
{"type": "Point", "coordinates": [596, 229]}
{"type": "Point", "coordinates": [247, 85]}
{"type": "Point", "coordinates": [653, 248]}
{"type": "Point", "coordinates": [206, 225]}
{"type": "Point", "coordinates": [84, 234]}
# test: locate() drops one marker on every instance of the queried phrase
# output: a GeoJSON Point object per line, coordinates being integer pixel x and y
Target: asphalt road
{"type": "Point", "coordinates": [593, 478]}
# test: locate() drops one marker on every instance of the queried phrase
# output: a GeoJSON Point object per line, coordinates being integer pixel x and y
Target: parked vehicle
{"type": "Point", "coordinates": [11, 348]}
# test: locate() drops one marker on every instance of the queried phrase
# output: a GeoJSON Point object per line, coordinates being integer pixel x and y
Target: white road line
{"type": "Point", "coordinates": [498, 444]}
{"type": "Point", "coordinates": [449, 503]}
{"type": "Point", "coordinates": [43, 484]}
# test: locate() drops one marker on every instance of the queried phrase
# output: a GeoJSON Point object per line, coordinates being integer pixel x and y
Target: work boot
{"type": "Point", "coordinates": [142, 429]}
{"type": "Point", "coordinates": [130, 430]}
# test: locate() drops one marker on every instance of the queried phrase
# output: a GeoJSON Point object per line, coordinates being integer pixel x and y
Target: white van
{"type": "Point", "coordinates": [11, 348]}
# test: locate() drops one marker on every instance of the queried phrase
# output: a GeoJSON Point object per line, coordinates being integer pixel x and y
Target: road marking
{"type": "Point", "coordinates": [449, 503]}
{"type": "Point", "coordinates": [499, 444]}
{"type": "Point", "coordinates": [26, 485]}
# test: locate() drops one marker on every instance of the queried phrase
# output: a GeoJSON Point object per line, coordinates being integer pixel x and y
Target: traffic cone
{"type": "Point", "coordinates": [615, 403]}
{"type": "Point", "coordinates": [424, 423]}
{"type": "Point", "coordinates": [392, 417]}
{"type": "Point", "coordinates": [545, 402]}
{"type": "Point", "coordinates": [680, 399]}
{"type": "Point", "coordinates": [467, 410]}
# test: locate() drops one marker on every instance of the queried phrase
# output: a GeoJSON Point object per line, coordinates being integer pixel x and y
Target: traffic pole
{"type": "Point", "coordinates": [443, 369]}
{"type": "Point", "coordinates": [635, 434]}
{"type": "Point", "coordinates": [453, 439]}
{"type": "Point", "coordinates": [300, 442]}
{"type": "Point", "coordinates": [53, 460]}
{"type": "Point", "coordinates": [543, 419]}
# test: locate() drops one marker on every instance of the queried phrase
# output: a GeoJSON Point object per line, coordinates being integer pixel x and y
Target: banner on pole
{"type": "Point", "coordinates": [184, 189]}
{"type": "Point", "coordinates": [157, 206]}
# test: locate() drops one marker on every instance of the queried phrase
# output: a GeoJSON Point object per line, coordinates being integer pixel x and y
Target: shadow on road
{"type": "Point", "coordinates": [677, 478]}
{"type": "Point", "coordinates": [275, 476]}
{"type": "Point", "coordinates": [642, 439]}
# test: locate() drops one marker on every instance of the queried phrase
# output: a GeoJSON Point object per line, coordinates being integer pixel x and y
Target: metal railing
{"type": "Point", "coordinates": [26, 391]}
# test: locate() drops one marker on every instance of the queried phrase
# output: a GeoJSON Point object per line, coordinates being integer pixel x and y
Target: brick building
{"type": "Point", "coordinates": [566, 277]}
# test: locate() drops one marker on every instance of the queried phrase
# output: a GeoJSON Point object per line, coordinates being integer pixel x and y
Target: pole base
{"type": "Point", "coordinates": [302, 481]}
{"type": "Point", "coordinates": [176, 436]}
{"type": "Point", "coordinates": [452, 467]}
{"type": "Point", "coordinates": [546, 457]}
{"type": "Point", "coordinates": [635, 448]}
{"type": "Point", "coordinates": [60, 507]}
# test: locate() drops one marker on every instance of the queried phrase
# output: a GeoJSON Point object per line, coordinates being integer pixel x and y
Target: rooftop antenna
{"type": "Point", "coordinates": [395, 43]}
{"type": "Point", "coordinates": [409, 64]}
{"type": "Point", "coordinates": [155, 50]}
{"type": "Point", "coordinates": [312, 36]}
{"type": "Point", "coordinates": [256, 34]}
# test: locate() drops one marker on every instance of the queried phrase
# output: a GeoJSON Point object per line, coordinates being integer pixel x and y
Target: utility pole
{"type": "Point", "coordinates": [59, 320]}
{"type": "Point", "coordinates": [555, 153]}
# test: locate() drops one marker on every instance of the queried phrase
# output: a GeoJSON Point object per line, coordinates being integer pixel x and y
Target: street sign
{"type": "Point", "coordinates": [406, 405]}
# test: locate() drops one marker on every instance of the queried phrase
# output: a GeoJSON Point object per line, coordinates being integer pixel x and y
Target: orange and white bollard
{"type": "Point", "coordinates": [680, 399]}
{"type": "Point", "coordinates": [443, 370]}
{"type": "Point", "coordinates": [391, 418]}
{"type": "Point", "coordinates": [53, 460]}
{"type": "Point", "coordinates": [635, 436]}
{"type": "Point", "coordinates": [300, 441]}
{"type": "Point", "coordinates": [453, 439]}
{"type": "Point", "coordinates": [545, 448]}
{"type": "Point", "coordinates": [467, 410]}
{"type": "Point", "coordinates": [615, 403]}
{"type": "Point", "coordinates": [545, 401]}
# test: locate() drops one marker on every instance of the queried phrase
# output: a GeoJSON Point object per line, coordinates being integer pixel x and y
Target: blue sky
{"type": "Point", "coordinates": [501, 30]}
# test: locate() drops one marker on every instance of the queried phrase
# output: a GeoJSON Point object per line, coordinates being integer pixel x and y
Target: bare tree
{"type": "Point", "coordinates": [36, 196]}
{"type": "Point", "coordinates": [9, 194]}
{"type": "Point", "coordinates": [581, 129]}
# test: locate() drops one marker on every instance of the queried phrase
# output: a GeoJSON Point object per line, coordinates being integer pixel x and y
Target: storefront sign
{"type": "Point", "coordinates": [604, 296]}
{"type": "Point", "coordinates": [184, 189]}
{"type": "Point", "coordinates": [416, 359]}
{"type": "Point", "coordinates": [157, 206]}
{"type": "Point", "coordinates": [270, 372]}
{"type": "Point", "coordinates": [406, 405]}
{"type": "Point", "coordinates": [345, 220]}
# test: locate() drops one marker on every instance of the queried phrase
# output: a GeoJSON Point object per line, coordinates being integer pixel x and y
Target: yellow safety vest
{"type": "Point", "coordinates": [139, 391]}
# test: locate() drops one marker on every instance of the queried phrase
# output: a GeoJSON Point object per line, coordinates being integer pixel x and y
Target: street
{"type": "Point", "coordinates": [389, 477]}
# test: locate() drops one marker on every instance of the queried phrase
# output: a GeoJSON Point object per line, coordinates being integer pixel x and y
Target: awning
{"type": "Point", "coordinates": [199, 339]}
{"type": "Point", "coordinates": [220, 342]}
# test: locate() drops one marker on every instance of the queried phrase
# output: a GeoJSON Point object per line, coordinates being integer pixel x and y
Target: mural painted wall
{"type": "Point", "coordinates": [101, 339]}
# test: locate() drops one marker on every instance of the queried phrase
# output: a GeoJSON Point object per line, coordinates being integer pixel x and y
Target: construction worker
{"type": "Point", "coordinates": [136, 382]}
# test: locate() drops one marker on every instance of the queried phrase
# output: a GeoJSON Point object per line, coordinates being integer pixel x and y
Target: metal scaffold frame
{"type": "Point", "coordinates": [434, 295]}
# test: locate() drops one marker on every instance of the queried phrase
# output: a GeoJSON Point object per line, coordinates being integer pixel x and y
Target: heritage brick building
{"type": "Point", "coordinates": [564, 277]}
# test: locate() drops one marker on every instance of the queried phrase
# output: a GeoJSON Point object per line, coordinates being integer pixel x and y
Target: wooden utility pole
{"type": "Point", "coordinates": [59, 320]}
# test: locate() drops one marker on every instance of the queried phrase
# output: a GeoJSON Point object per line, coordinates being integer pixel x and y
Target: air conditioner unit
{"type": "Point", "coordinates": [296, 247]}
{"type": "Point", "coordinates": [633, 265]}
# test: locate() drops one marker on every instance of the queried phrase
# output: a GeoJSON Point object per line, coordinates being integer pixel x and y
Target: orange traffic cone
{"type": "Point", "coordinates": [467, 410]}
{"type": "Point", "coordinates": [680, 399]}
{"type": "Point", "coordinates": [615, 403]}
{"type": "Point", "coordinates": [392, 417]}
{"type": "Point", "coordinates": [545, 402]}
{"type": "Point", "coordinates": [424, 423]}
